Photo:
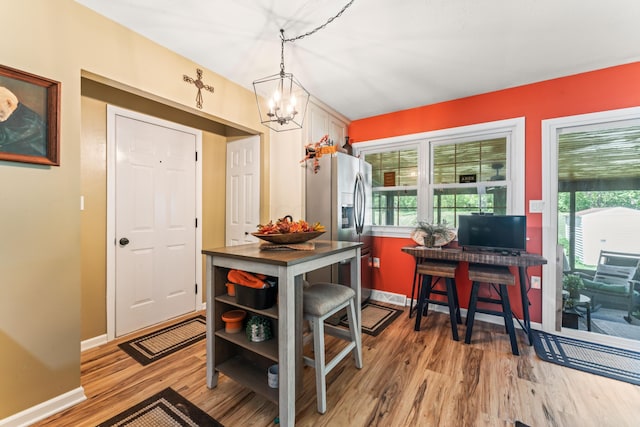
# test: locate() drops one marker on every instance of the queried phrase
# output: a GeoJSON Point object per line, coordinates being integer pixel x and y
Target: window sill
{"type": "Point", "coordinates": [386, 231]}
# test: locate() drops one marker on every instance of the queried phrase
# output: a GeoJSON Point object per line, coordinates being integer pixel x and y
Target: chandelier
{"type": "Point", "coordinates": [282, 100]}
{"type": "Point", "coordinates": [287, 100]}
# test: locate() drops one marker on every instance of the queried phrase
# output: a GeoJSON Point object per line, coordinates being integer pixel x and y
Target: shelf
{"type": "Point", "coordinates": [268, 349]}
{"type": "Point", "coordinates": [250, 375]}
{"type": "Point", "coordinates": [271, 312]}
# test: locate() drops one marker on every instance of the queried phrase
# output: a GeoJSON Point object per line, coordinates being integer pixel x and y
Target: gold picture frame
{"type": "Point", "coordinates": [29, 118]}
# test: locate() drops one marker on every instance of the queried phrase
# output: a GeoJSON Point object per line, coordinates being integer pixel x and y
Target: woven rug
{"type": "Point", "coordinates": [165, 409]}
{"type": "Point", "coordinates": [156, 345]}
{"type": "Point", "coordinates": [375, 318]}
{"type": "Point", "coordinates": [610, 362]}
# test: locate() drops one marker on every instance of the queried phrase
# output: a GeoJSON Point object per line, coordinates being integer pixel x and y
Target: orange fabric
{"type": "Point", "coordinates": [243, 278]}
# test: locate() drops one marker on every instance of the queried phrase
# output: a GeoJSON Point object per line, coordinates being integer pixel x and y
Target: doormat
{"type": "Point", "coordinates": [167, 408]}
{"type": "Point", "coordinates": [375, 318]}
{"type": "Point", "coordinates": [610, 362]}
{"type": "Point", "coordinates": [156, 345]}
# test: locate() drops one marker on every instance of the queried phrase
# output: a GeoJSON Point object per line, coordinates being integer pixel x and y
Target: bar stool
{"type": "Point", "coordinates": [320, 301]}
{"type": "Point", "coordinates": [494, 275]}
{"type": "Point", "coordinates": [441, 270]}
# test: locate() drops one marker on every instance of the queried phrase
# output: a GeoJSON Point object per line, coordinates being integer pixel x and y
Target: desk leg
{"type": "Point", "coordinates": [525, 303]}
{"type": "Point", "coordinates": [414, 286]}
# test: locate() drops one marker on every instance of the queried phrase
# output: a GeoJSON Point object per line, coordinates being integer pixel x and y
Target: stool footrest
{"type": "Point", "coordinates": [437, 302]}
{"type": "Point", "coordinates": [492, 312]}
{"type": "Point", "coordinates": [490, 300]}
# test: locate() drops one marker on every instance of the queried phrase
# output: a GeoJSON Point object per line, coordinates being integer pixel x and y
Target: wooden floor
{"type": "Point", "coordinates": [408, 379]}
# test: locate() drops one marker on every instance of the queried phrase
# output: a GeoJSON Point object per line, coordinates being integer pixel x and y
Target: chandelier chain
{"type": "Point", "coordinates": [308, 33]}
{"type": "Point", "coordinates": [315, 30]}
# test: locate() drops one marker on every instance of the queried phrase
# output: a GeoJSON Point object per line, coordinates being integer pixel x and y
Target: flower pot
{"type": "Point", "coordinates": [233, 321]}
{"type": "Point", "coordinates": [231, 289]}
{"type": "Point", "coordinates": [429, 240]}
{"type": "Point", "coordinates": [570, 320]}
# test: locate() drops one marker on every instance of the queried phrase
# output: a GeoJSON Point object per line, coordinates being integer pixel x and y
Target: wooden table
{"type": "Point", "coordinates": [521, 261]}
{"type": "Point", "coordinates": [244, 361]}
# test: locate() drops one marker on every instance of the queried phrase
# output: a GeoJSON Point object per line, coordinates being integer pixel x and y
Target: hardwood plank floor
{"type": "Point", "coordinates": [409, 378]}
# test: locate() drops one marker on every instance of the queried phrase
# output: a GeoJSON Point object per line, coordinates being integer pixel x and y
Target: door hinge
{"type": "Point", "coordinates": [196, 289]}
{"type": "Point", "coordinates": [196, 222]}
{"type": "Point", "coordinates": [196, 156]}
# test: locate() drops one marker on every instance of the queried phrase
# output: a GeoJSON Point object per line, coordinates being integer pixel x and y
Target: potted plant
{"type": "Point", "coordinates": [573, 283]}
{"type": "Point", "coordinates": [425, 233]}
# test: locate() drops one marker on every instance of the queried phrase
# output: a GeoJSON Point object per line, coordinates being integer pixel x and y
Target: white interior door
{"type": "Point", "coordinates": [243, 190]}
{"type": "Point", "coordinates": [155, 220]}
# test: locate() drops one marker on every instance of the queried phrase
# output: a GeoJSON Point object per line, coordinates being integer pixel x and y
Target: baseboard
{"type": "Point", "coordinates": [93, 342]}
{"type": "Point", "coordinates": [388, 297]}
{"type": "Point", "coordinates": [44, 409]}
{"type": "Point", "coordinates": [481, 317]}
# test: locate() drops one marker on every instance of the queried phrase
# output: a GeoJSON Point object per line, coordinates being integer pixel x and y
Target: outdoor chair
{"type": "Point", "coordinates": [614, 283]}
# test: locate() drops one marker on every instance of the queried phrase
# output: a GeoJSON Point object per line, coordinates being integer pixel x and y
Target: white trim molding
{"type": "Point", "coordinates": [550, 130]}
{"type": "Point", "coordinates": [513, 128]}
{"type": "Point", "coordinates": [45, 409]}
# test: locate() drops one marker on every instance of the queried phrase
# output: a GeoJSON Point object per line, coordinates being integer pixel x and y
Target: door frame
{"type": "Point", "coordinates": [550, 301]}
{"type": "Point", "coordinates": [254, 141]}
{"type": "Point", "coordinates": [112, 112]}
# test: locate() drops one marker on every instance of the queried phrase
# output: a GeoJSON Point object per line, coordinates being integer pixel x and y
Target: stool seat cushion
{"type": "Point", "coordinates": [321, 298]}
{"type": "Point", "coordinates": [491, 274]}
{"type": "Point", "coordinates": [438, 268]}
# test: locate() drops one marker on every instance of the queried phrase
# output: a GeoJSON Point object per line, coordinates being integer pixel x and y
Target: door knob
{"type": "Point", "coordinates": [124, 241]}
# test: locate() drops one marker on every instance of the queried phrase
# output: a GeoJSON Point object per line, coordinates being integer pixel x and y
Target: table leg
{"type": "Point", "coordinates": [286, 348]}
{"type": "Point", "coordinates": [414, 286]}
{"type": "Point", "coordinates": [212, 374]}
{"type": "Point", "coordinates": [525, 303]}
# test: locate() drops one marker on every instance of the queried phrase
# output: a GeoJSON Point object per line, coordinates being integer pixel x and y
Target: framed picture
{"type": "Point", "coordinates": [29, 118]}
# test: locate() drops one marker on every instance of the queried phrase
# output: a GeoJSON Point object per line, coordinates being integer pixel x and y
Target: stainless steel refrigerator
{"type": "Point", "coordinates": [338, 196]}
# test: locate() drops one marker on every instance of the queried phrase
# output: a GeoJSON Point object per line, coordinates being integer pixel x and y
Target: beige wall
{"type": "Point", "coordinates": [51, 256]}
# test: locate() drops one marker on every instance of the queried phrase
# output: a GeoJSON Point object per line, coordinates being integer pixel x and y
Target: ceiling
{"type": "Point", "coordinates": [382, 56]}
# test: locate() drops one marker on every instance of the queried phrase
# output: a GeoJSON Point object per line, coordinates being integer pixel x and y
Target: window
{"type": "Point", "coordinates": [394, 186]}
{"type": "Point", "coordinates": [468, 176]}
{"type": "Point", "coordinates": [436, 176]}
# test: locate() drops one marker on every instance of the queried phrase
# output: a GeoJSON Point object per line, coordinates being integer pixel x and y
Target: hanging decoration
{"type": "Point", "coordinates": [316, 150]}
{"type": "Point", "coordinates": [199, 84]}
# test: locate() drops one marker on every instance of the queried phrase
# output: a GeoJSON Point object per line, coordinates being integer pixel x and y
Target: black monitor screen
{"type": "Point", "coordinates": [493, 232]}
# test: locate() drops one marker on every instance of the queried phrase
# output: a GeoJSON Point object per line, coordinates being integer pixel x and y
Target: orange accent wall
{"type": "Point", "coordinates": [601, 90]}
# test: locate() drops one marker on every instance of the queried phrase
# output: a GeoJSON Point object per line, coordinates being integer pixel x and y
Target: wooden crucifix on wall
{"type": "Point", "coordinates": [199, 84]}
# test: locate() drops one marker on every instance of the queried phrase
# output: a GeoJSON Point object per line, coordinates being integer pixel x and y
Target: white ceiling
{"type": "Point", "coordinates": [382, 55]}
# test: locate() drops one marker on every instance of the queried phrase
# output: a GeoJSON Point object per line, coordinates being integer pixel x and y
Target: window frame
{"type": "Point", "coordinates": [513, 128]}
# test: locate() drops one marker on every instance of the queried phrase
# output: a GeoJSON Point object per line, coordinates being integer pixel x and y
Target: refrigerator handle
{"type": "Point", "coordinates": [359, 203]}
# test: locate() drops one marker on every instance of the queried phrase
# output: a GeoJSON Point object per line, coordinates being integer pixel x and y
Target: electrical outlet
{"type": "Point", "coordinates": [376, 262]}
{"type": "Point", "coordinates": [536, 206]}
{"type": "Point", "coordinates": [535, 282]}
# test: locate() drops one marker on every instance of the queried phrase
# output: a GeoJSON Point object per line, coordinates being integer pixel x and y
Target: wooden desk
{"type": "Point", "coordinates": [521, 261]}
{"type": "Point", "coordinates": [246, 362]}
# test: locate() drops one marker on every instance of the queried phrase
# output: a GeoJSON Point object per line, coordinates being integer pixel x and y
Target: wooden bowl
{"type": "Point", "coordinates": [288, 238]}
